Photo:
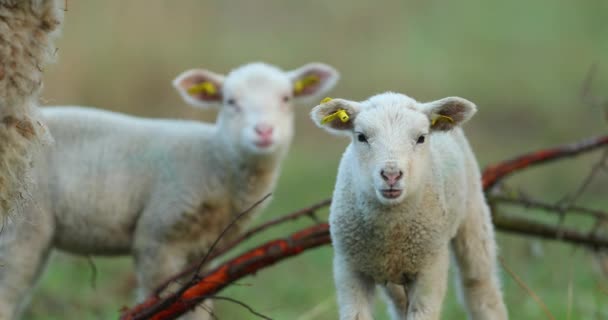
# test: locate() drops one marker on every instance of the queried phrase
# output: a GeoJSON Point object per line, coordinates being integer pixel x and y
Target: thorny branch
{"type": "Point", "coordinates": [277, 250]}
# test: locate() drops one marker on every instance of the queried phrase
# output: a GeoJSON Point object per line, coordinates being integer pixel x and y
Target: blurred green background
{"type": "Point", "coordinates": [522, 62]}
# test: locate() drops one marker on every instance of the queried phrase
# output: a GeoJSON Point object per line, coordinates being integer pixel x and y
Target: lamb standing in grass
{"type": "Point", "coordinates": [27, 28]}
{"type": "Point", "coordinates": [160, 190]}
{"type": "Point", "coordinates": [408, 187]}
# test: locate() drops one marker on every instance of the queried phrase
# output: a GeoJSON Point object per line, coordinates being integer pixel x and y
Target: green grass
{"type": "Point", "coordinates": [521, 62]}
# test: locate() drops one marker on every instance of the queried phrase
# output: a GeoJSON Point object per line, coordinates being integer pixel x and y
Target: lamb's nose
{"type": "Point", "coordinates": [263, 130]}
{"type": "Point", "coordinates": [391, 176]}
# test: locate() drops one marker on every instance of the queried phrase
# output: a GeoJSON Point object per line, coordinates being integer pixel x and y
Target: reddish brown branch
{"type": "Point", "coordinates": [246, 264]}
{"type": "Point", "coordinates": [494, 173]}
{"type": "Point", "coordinates": [308, 211]}
{"type": "Point", "coordinates": [274, 251]}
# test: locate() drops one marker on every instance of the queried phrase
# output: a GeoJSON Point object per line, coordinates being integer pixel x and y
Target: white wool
{"type": "Point", "coordinates": [397, 233]}
{"type": "Point", "coordinates": [160, 190]}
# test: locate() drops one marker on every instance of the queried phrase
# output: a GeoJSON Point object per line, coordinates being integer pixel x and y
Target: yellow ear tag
{"type": "Point", "coordinates": [439, 117]}
{"type": "Point", "coordinates": [326, 100]}
{"type": "Point", "coordinates": [305, 82]}
{"type": "Point", "coordinates": [205, 87]}
{"type": "Point", "coordinates": [340, 114]}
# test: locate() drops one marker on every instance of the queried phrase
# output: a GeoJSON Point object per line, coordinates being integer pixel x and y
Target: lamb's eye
{"type": "Point", "coordinates": [286, 98]}
{"type": "Point", "coordinates": [232, 103]}
{"type": "Point", "coordinates": [420, 140]}
{"type": "Point", "coordinates": [361, 137]}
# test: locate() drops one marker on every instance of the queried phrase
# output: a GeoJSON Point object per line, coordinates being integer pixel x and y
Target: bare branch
{"type": "Point", "coordinates": [554, 208]}
{"type": "Point", "coordinates": [309, 211]}
{"type": "Point", "coordinates": [246, 264]}
{"type": "Point", "coordinates": [511, 223]}
{"type": "Point", "coordinates": [493, 174]}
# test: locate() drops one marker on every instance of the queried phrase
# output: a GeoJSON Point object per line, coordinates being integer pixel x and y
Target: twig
{"type": "Point", "coordinates": [529, 291]}
{"type": "Point", "coordinates": [586, 96]}
{"type": "Point", "coordinates": [511, 223]}
{"type": "Point", "coordinates": [93, 272]}
{"type": "Point", "coordinates": [208, 310]}
{"type": "Point", "coordinates": [587, 181]}
{"type": "Point", "coordinates": [309, 211]}
{"type": "Point", "coordinates": [529, 203]}
{"type": "Point", "coordinates": [288, 217]}
{"type": "Point", "coordinates": [242, 304]}
{"type": "Point", "coordinates": [566, 202]}
{"type": "Point", "coordinates": [228, 227]}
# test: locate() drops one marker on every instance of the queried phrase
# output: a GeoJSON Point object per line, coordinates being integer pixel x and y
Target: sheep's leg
{"type": "Point", "coordinates": [155, 263]}
{"type": "Point", "coordinates": [475, 252]}
{"type": "Point", "coordinates": [354, 290]}
{"type": "Point", "coordinates": [397, 301]}
{"type": "Point", "coordinates": [427, 290]}
{"type": "Point", "coordinates": [24, 250]}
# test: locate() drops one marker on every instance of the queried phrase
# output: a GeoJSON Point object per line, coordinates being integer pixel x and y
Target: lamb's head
{"type": "Point", "coordinates": [256, 111]}
{"type": "Point", "coordinates": [391, 136]}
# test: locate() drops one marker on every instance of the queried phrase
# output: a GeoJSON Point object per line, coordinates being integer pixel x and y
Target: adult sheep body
{"type": "Point", "coordinates": [160, 190]}
{"type": "Point", "coordinates": [408, 187]}
{"type": "Point", "coordinates": [27, 32]}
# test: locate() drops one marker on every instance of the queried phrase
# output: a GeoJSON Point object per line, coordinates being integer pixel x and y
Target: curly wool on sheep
{"type": "Point", "coordinates": [27, 31]}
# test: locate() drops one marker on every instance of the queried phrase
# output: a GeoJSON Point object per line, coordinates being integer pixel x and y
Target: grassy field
{"type": "Point", "coordinates": [522, 62]}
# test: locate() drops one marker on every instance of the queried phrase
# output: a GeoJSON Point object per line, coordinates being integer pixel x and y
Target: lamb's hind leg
{"type": "Point", "coordinates": [155, 263]}
{"type": "Point", "coordinates": [475, 252]}
{"type": "Point", "coordinates": [396, 300]}
{"type": "Point", "coordinates": [24, 249]}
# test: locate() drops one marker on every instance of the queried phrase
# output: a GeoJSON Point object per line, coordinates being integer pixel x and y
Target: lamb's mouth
{"type": "Point", "coordinates": [391, 193]}
{"type": "Point", "coordinates": [263, 144]}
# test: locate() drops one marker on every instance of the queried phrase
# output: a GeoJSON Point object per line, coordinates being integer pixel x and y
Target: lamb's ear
{"type": "Point", "coordinates": [199, 87]}
{"type": "Point", "coordinates": [447, 113]}
{"type": "Point", "coordinates": [336, 115]}
{"type": "Point", "coordinates": [313, 80]}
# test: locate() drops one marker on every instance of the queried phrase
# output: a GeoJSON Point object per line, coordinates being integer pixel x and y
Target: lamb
{"type": "Point", "coordinates": [27, 31]}
{"type": "Point", "coordinates": [159, 190]}
{"type": "Point", "coordinates": [408, 187]}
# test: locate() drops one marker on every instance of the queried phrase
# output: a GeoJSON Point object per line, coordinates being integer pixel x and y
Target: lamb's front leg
{"type": "Point", "coordinates": [475, 252]}
{"type": "Point", "coordinates": [355, 292]}
{"type": "Point", "coordinates": [427, 290]}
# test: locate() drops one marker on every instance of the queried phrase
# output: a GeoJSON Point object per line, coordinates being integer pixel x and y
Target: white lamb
{"type": "Point", "coordinates": [27, 28]}
{"type": "Point", "coordinates": [408, 187]}
{"type": "Point", "coordinates": [160, 190]}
